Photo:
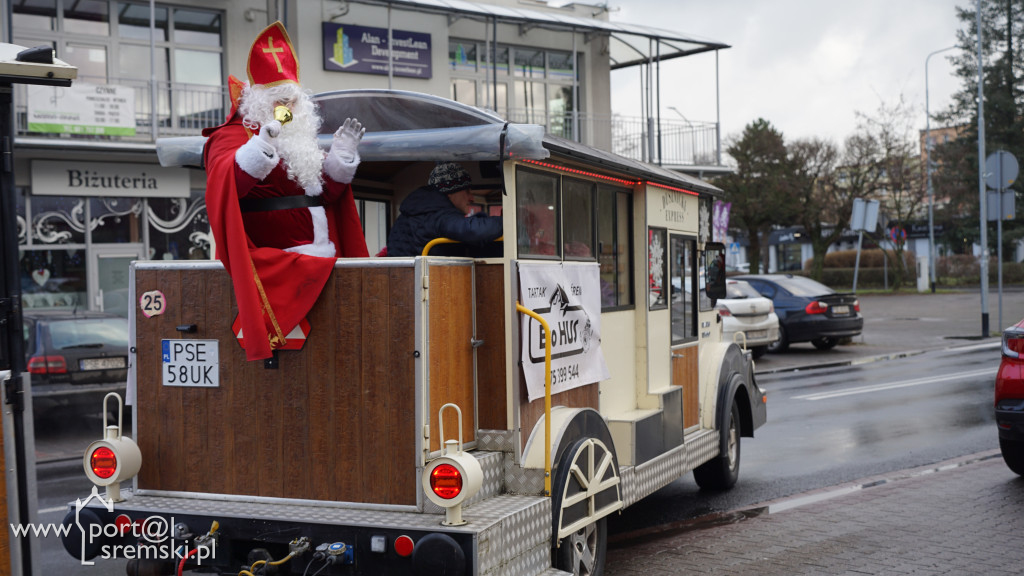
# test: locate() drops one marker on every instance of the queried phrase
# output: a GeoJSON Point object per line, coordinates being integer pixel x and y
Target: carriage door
{"type": "Point", "coordinates": [683, 316]}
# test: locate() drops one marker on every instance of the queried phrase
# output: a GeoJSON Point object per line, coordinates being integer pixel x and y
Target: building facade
{"type": "Point", "coordinates": [92, 196]}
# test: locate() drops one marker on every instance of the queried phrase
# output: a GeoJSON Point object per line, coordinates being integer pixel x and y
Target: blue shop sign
{"type": "Point", "coordinates": [351, 48]}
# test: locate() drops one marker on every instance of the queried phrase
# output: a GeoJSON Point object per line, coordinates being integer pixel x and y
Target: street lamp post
{"type": "Point", "coordinates": [928, 171]}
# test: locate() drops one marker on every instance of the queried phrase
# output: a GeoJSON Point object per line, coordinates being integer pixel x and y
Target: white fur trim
{"type": "Point", "coordinates": [256, 158]}
{"type": "Point", "coordinates": [338, 169]}
{"type": "Point", "coordinates": [321, 246]}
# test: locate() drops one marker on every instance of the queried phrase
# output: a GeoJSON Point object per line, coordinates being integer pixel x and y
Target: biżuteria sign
{"type": "Point", "coordinates": [568, 296]}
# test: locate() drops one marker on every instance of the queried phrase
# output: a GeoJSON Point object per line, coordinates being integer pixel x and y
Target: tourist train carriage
{"type": "Point", "coordinates": [406, 427]}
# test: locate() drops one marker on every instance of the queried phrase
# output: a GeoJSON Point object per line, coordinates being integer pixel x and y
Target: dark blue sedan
{"type": "Point", "coordinates": [808, 311]}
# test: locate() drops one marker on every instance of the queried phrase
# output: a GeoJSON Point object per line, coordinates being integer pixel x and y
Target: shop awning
{"type": "Point", "coordinates": [629, 44]}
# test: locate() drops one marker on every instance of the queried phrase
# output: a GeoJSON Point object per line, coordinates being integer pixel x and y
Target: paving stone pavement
{"type": "Point", "coordinates": [964, 516]}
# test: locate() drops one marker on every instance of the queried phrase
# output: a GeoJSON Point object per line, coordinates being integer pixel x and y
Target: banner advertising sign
{"type": "Point", "coordinates": [350, 48]}
{"type": "Point", "coordinates": [568, 296]}
{"type": "Point", "coordinates": [720, 221]}
{"type": "Point", "coordinates": [82, 108]}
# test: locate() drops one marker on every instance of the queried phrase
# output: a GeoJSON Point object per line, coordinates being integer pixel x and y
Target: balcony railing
{"type": "Point", "coordinates": [186, 109]}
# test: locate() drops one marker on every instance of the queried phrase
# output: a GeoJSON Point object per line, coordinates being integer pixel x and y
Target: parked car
{"type": "Point", "coordinates": [1009, 398]}
{"type": "Point", "coordinates": [75, 358]}
{"type": "Point", "coordinates": [808, 310]}
{"type": "Point", "coordinates": [744, 310]}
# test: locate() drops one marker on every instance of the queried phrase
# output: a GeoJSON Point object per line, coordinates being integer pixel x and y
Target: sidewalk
{"type": "Point", "coordinates": [964, 516]}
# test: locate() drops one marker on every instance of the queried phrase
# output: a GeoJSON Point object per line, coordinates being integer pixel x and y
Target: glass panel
{"type": "Point", "coordinates": [624, 247]}
{"type": "Point", "coordinates": [197, 27]}
{"type": "Point", "coordinates": [133, 22]}
{"type": "Point", "coordinates": [194, 67]}
{"type": "Point", "coordinates": [529, 63]}
{"type": "Point", "coordinates": [462, 56]}
{"type": "Point", "coordinates": [536, 207]}
{"type": "Point", "coordinates": [560, 65]}
{"type": "Point", "coordinates": [53, 278]}
{"type": "Point", "coordinates": [112, 273]}
{"type": "Point", "coordinates": [57, 220]}
{"type": "Point", "coordinates": [178, 228]}
{"type": "Point", "coordinates": [35, 14]}
{"type": "Point", "coordinates": [501, 58]}
{"type": "Point", "coordinates": [133, 62]}
{"type": "Point", "coordinates": [682, 282]}
{"type": "Point", "coordinates": [560, 111]}
{"type": "Point", "coordinates": [375, 224]}
{"type": "Point", "coordinates": [657, 258]}
{"type": "Point", "coordinates": [613, 246]}
{"type": "Point", "coordinates": [464, 91]}
{"type": "Point", "coordinates": [87, 17]}
{"type": "Point", "coordinates": [115, 219]}
{"type": "Point", "coordinates": [529, 102]}
{"type": "Point", "coordinates": [577, 214]}
{"type": "Point", "coordinates": [90, 60]}
{"type": "Point", "coordinates": [88, 332]}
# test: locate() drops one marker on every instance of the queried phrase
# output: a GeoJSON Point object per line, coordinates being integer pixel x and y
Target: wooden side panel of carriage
{"type": "Point", "coordinates": [334, 414]}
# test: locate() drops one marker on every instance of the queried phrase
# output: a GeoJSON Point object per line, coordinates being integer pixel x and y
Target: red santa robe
{"type": "Point", "coordinates": [274, 288]}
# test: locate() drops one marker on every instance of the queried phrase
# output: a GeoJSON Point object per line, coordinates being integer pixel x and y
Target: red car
{"type": "Point", "coordinates": [1010, 398]}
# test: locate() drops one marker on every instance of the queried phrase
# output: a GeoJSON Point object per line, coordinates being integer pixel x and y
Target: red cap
{"type": "Point", "coordinates": [272, 59]}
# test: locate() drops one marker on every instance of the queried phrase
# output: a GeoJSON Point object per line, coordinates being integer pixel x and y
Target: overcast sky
{"type": "Point", "coordinates": [806, 66]}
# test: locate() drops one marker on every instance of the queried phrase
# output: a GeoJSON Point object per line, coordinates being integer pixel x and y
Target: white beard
{"type": "Point", "coordinates": [297, 143]}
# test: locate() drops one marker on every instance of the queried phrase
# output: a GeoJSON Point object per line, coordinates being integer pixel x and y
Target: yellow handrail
{"type": "Point", "coordinates": [547, 393]}
{"type": "Point", "coordinates": [436, 241]}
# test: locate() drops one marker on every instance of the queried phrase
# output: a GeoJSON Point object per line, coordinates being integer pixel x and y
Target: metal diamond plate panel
{"type": "Point", "coordinates": [510, 543]}
{"type": "Point", "coordinates": [519, 480]}
{"type": "Point", "coordinates": [703, 447]}
{"type": "Point", "coordinates": [496, 440]}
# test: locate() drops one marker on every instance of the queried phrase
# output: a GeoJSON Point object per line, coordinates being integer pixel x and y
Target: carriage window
{"type": "Point", "coordinates": [683, 277]}
{"type": "Point", "coordinates": [538, 213]}
{"type": "Point", "coordinates": [578, 218]}
{"type": "Point", "coordinates": [613, 246]}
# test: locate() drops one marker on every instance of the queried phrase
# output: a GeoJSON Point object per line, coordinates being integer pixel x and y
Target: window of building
{"type": "Point", "coordinates": [575, 219]}
{"type": "Point", "coordinates": [539, 89]}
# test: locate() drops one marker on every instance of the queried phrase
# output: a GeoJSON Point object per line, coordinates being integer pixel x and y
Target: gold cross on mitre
{"type": "Point", "coordinates": [273, 52]}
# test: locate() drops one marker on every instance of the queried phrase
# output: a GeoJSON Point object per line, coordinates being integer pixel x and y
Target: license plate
{"type": "Point", "coordinates": [754, 334]}
{"type": "Point", "coordinates": [191, 363]}
{"type": "Point", "coordinates": [102, 363]}
{"type": "Point", "coordinates": [840, 310]}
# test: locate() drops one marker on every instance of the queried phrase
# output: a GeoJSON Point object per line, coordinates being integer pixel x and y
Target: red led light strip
{"type": "Point", "coordinates": [581, 172]}
{"type": "Point", "coordinates": [673, 188]}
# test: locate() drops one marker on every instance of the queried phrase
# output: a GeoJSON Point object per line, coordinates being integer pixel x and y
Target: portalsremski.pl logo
{"type": "Point", "coordinates": [153, 536]}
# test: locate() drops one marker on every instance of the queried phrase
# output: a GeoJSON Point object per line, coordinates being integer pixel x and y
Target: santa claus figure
{"type": "Point", "coordinates": [281, 210]}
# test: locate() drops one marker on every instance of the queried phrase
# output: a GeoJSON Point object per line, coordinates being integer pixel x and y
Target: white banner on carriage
{"type": "Point", "coordinates": [568, 296]}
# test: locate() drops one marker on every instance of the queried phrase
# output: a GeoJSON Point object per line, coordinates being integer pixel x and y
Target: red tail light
{"type": "Point", "coordinates": [103, 462]}
{"type": "Point", "coordinates": [446, 481]}
{"type": "Point", "coordinates": [1013, 344]}
{"type": "Point", "coordinates": [723, 310]}
{"type": "Point", "coordinates": [856, 305]}
{"type": "Point", "coordinates": [816, 307]}
{"type": "Point", "coordinates": [47, 365]}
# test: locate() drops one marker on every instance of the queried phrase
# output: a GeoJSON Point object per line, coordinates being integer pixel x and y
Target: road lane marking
{"type": "Point", "coordinates": [900, 384]}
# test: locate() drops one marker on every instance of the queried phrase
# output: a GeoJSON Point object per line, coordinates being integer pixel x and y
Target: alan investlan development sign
{"type": "Point", "coordinates": [568, 296]}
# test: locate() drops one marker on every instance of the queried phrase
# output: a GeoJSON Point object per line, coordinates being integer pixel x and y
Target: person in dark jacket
{"type": "Point", "coordinates": [438, 210]}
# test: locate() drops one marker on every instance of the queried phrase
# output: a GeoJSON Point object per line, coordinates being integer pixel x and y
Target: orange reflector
{"type": "Point", "coordinates": [404, 546]}
{"type": "Point", "coordinates": [446, 481]}
{"type": "Point", "coordinates": [103, 462]}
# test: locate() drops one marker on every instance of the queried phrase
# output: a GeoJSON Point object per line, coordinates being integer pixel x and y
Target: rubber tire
{"type": "Point", "coordinates": [780, 345]}
{"type": "Point", "coordinates": [721, 472]}
{"type": "Point", "coordinates": [1013, 455]}
{"type": "Point", "coordinates": [758, 351]}
{"type": "Point", "coordinates": [593, 539]}
{"type": "Point", "coordinates": [825, 343]}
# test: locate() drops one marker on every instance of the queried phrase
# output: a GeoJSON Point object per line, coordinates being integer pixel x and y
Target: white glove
{"type": "Point", "coordinates": [343, 158]}
{"type": "Point", "coordinates": [346, 140]}
{"type": "Point", "coordinates": [258, 156]}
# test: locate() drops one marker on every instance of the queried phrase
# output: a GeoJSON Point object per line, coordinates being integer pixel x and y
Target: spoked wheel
{"type": "Point", "coordinates": [582, 553]}
{"type": "Point", "coordinates": [721, 472]}
{"type": "Point", "coordinates": [585, 490]}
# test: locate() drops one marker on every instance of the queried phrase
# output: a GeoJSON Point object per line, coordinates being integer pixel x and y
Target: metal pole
{"type": "Point", "coordinates": [999, 237]}
{"type": "Point", "coordinates": [718, 116]}
{"type": "Point", "coordinates": [152, 69]}
{"type": "Point", "coordinates": [983, 216]}
{"type": "Point", "coordinates": [856, 263]}
{"type": "Point", "coordinates": [928, 170]}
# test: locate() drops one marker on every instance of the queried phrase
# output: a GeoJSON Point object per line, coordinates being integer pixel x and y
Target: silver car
{"type": "Point", "coordinates": [747, 317]}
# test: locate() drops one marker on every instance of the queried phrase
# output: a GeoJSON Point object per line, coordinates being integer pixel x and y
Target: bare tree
{"type": "Point", "coordinates": [824, 206]}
